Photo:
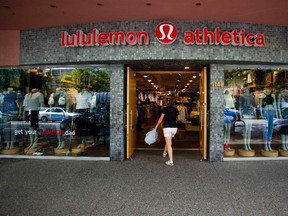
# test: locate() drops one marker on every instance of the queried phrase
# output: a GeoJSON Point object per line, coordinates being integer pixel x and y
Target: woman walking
{"type": "Point", "coordinates": [170, 114]}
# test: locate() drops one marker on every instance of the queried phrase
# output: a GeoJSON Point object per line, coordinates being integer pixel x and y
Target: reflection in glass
{"type": "Point", "coordinates": [61, 111]}
{"type": "Point", "coordinates": [259, 96]}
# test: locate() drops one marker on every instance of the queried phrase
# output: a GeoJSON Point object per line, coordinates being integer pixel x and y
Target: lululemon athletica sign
{"type": "Point", "coordinates": [166, 33]}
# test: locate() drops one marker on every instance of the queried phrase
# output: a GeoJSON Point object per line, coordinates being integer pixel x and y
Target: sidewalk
{"type": "Point", "coordinates": [143, 186]}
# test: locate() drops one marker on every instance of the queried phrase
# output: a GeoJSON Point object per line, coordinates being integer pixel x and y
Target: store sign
{"type": "Point", "coordinates": [166, 33]}
{"type": "Point", "coordinates": [96, 38]}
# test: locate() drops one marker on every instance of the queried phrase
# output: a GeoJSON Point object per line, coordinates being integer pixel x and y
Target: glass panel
{"type": "Point", "coordinates": [55, 111]}
{"type": "Point", "coordinates": [256, 113]}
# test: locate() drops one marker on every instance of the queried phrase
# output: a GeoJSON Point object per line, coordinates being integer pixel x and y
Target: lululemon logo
{"type": "Point", "coordinates": [166, 32]}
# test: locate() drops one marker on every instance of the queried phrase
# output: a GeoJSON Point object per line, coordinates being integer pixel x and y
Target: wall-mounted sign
{"type": "Point", "coordinates": [166, 33]}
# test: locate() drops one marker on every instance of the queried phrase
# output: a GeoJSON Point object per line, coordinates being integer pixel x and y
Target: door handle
{"type": "Point", "coordinates": [131, 120]}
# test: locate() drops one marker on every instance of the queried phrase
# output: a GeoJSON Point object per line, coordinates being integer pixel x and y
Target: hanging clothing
{"type": "Point", "coordinates": [183, 113]}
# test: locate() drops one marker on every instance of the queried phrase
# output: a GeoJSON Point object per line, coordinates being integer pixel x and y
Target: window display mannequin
{"type": "Point", "coordinates": [228, 120]}
{"type": "Point", "coordinates": [11, 108]}
{"type": "Point", "coordinates": [82, 101]}
{"type": "Point", "coordinates": [247, 109]}
{"type": "Point", "coordinates": [283, 114]}
{"type": "Point", "coordinates": [32, 102]}
{"type": "Point", "coordinates": [267, 103]}
{"type": "Point", "coordinates": [228, 100]}
{"type": "Point", "coordinates": [93, 102]}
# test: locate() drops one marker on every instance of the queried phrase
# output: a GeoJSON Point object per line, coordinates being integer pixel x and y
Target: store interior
{"type": "Point", "coordinates": [154, 89]}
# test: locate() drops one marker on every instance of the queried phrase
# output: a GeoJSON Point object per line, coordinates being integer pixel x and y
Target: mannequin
{"type": "Point", "coordinates": [228, 100]}
{"type": "Point", "coordinates": [268, 111]}
{"type": "Point", "coordinates": [228, 120]}
{"type": "Point", "coordinates": [247, 106]}
{"type": "Point", "coordinates": [82, 101]}
{"type": "Point", "coordinates": [32, 102]}
{"type": "Point", "coordinates": [93, 102]}
{"type": "Point", "coordinates": [283, 114]}
{"type": "Point", "coordinates": [10, 107]}
{"type": "Point", "coordinates": [82, 105]}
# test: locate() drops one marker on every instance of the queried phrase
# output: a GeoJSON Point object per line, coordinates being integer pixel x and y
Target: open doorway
{"type": "Point", "coordinates": [153, 90]}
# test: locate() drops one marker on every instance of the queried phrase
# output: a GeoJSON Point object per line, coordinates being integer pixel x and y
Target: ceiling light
{"type": "Point", "coordinates": [145, 76]}
{"type": "Point", "coordinates": [188, 84]}
{"type": "Point", "coordinates": [194, 76]}
{"type": "Point", "coordinates": [186, 68]}
{"type": "Point", "coordinates": [149, 80]}
{"type": "Point", "coordinates": [190, 80]}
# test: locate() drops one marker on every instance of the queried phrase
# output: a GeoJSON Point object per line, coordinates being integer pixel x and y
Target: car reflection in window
{"type": "Point", "coordinates": [55, 114]}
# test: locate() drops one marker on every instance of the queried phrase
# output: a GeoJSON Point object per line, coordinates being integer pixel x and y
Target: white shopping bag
{"type": "Point", "coordinates": [151, 136]}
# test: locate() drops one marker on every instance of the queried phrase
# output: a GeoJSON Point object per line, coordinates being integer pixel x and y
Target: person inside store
{"type": "Point", "coordinates": [247, 108]}
{"type": "Point", "coordinates": [170, 115]}
{"type": "Point", "coordinates": [140, 115]}
{"type": "Point", "coordinates": [267, 102]}
{"type": "Point", "coordinates": [283, 114]}
{"type": "Point", "coordinates": [32, 103]}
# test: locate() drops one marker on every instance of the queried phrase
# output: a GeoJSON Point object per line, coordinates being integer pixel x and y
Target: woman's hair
{"type": "Point", "coordinates": [171, 102]}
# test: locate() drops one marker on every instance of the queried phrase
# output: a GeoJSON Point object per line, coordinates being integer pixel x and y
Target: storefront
{"type": "Point", "coordinates": [98, 61]}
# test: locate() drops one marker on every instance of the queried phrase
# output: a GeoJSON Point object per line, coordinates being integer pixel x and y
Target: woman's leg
{"type": "Point", "coordinates": [168, 147]}
{"type": "Point", "coordinates": [165, 150]}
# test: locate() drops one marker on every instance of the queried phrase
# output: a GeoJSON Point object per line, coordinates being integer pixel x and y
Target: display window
{"type": "Point", "coordinates": [55, 111]}
{"type": "Point", "coordinates": [256, 113]}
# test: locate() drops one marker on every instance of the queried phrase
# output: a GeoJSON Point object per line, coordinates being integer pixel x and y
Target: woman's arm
{"type": "Point", "coordinates": [160, 120]}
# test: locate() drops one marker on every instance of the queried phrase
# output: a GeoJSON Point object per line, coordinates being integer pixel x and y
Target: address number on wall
{"type": "Point", "coordinates": [217, 84]}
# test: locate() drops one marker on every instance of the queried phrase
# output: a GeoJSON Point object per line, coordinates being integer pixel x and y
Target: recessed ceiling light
{"type": "Point", "coordinates": [194, 76]}
{"type": "Point", "coordinates": [145, 76]}
{"type": "Point", "coordinates": [149, 80]}
{"type": "Point", "coordinates": [186, 68]}
{"type": "Point", "coordinates": [190, 80]}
